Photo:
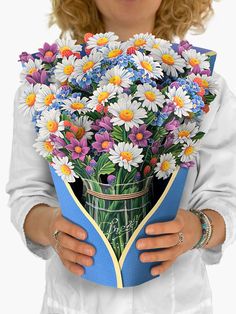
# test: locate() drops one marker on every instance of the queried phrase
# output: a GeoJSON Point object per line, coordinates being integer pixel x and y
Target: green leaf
{"type": "Point", "coordinates": [198, 136]}
{"type": "Point", "coordinates": [94, 115]}
{"type": "Point", "coordinates": [117, 134]}
{"type": "Point", "coordinates": [104, 166]}
{"type": "Point", "coordinates": [150, 117]}
{"type": "Point", "coordinates": [209, 98]}
{"type": "Point", "coordinates": [129, 176]}
{"type": "Point", "coordinates": [159, 133]}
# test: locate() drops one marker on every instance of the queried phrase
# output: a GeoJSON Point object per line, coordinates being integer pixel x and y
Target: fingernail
{"type": "Point", "coordinates": [149, 230]}
{"type": "Point", "coordinates": [140, 244]}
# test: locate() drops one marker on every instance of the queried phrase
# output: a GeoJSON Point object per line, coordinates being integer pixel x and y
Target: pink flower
{"type": "Point", "coordinates": [79, 148]}
{"type": "Point", "coordinates": [103, 142]}
{"type": "Point", "coordinates": [140, 135]}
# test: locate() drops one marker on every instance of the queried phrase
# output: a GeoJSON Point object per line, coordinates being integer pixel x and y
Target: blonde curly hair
{"type": "Point", "coordinates": [173, 18]}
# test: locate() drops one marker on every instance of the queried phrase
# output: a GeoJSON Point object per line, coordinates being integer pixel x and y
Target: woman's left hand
{"type": "Point", "coordinates": [165, 235]}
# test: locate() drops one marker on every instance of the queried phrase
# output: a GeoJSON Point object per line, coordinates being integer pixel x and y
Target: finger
{"type": "Point", "coordinates": [156, 270]}
{"type": "Point", "coordinates": [70, 228]}
{"type": "Point", "coordinates": [74, 268]}
{"type": "Point", "coordinates": [75, 245]}
{"type": "Point", "coordinates": [74, 257]}
{"type": "Point", "coordinates": [163, 241]}
{"type": "Point", "coordinates": [160, 255]}
{"type": "Point", "coordinates": [172, 226]}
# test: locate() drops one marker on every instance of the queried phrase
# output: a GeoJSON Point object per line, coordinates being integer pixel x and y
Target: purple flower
{"type": "Point", "coordinates": [137, 176]}
{"type": "Point", "coordinates": [103, 142]}
{"type": "Point", "coordinates": [89, 170]}
{"type": "Point", "coordinates": [25, 57]}
{"type": "Point", "coordinates": [95, 126]}
{"type": "Point", "coordinates": [48, 52]}
{"type": "Point", "coordinates": [79, 148]}
{"type": "Point", "coordinates": [140, 135]}
{"type": "Point", "coordinates": [187, 164]}
{"type": "Point", "coordinates": [169, 140]}
{"type": "Point", "coordinates": [93, 163]}
{"type": "Point", "coordinates": [111, 179]}
{"type": "Point", "coordinates": [58, 153]}
{"type": "Point", "coordinates": [58, 141]}
{"type": "Point", "coordinates": [37, 77]}
{"type": "Point", "coordinates": [104, 122]}
{"type": "Point", "coordinates": [184, 45]}
{"type": "Point", "coordinates": [155, 147]}
{"type": "Point", "coordinates": [206, 72]}
{"type": "Point", "coordinates": [196, 69]}
{"type": "Point", "coordinates": [172, 125]}
{"type": "Point", "coordinates": [168, 108]}
{"type": "Point", "coordinates": [175, 84]}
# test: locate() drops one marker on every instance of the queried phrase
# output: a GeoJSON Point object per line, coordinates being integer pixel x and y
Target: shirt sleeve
{"type": "Point", "coordinates": [215, 185]}
{"type": "Point", "coordinates": [30, 181]}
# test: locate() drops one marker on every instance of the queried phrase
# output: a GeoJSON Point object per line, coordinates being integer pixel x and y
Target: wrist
{"type": "Point", "coordinates": [197, 229]}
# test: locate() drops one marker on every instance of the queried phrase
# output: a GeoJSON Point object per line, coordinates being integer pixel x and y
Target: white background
{"type": "Point", "coordinates": [24, 28]}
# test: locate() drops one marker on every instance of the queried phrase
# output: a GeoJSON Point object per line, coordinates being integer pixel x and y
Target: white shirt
{"type": "Point", "coordinates": [184, 287]}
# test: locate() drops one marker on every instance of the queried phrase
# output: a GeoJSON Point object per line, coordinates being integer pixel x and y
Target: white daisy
{"type": "Point", "coordinates": [166, 166]}
{"type": "Point", "coordinates": [205, 81]}
{"type": "Point", "coordinates": [151, 97]}
{"type": "Point", "coordinates": [126, 155]}
{"type": "Point", "coordinates": [147, 64]}
{"type": "Point", "coordinates": [127, 112]}
{"type": "Point", "coordinates": [28, 98]}
{"type": "Point", "coordinates": [189, 151]}
{"type": "Point", "coordinates": [87, 64]}
{"type": "Point", "coordinates": [49, 123]}
{"type": "Point", "coordinates": [64, 169]}
{"type": "Point", "coordinates": [101, 39]}
{"type": "Point", "coordinates": [117, 76]}
{"type": "Point", "coordinates": [157, 43]}
{"type": "Point", "coordinates": [84, 127]}
{"type": "Point", "coordinates": [170, 61]}
{"type": "Point", "coordinates": [75, 104]}
{"type": "Point", "coordinates": [102, 95]}
{"type": "Point", "coordinates": [43, 147]}
{"type": "Point", "coordinates": [196, 59]}
{"type": "Point", "coordinates": [30, 67]}
{"type": "Point", "coordinates": [185, 131]}
{"type": "Point", "coordinates": [67, 46]}
{"type": "Point", "coordinates": [113, 50]}
{"type": "Point", "coordinates": [65, 70]}
{"type": "Point", "coordinates": [140, 40]}
{"type": "Point", "coordinates": [46, 96]}
{"type": "Point", "coordinates": [181, 100]}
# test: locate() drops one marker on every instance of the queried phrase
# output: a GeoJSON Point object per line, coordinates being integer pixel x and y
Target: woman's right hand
{"type": "Point", "coordinates": [71, 248]}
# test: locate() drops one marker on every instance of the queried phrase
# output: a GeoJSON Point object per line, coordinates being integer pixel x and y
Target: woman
{"type": "Point", "coordinates": [183, 286]}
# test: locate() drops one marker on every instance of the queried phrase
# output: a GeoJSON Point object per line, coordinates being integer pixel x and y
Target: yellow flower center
{"type": "Point", "coordinates": [32, 70]}
{"type": "Point", "coordinates": [105, 144]}
{"type": "Point", "coordinates": [126, 115]}
{"type": "Point", "coordinates": [183, 133]}
{"type": "Point", "coordinates": [87, 66]}
{"type": "Point", "coordinates": [205, 84]}
{"type": "Point", "coordinates": [52, 126]}
{"type": "Point", "coordinates": [48, 146]}
{"type": "Point", "coordinates": [194, 61]}
{"type": "Point", "coordinates": [64, 49]}
{"type": "Point", "coordinates": [114, 53]}
{"type": "Point", "coordinates": [179, 101]}
{"type": "Point", "coordinates": [146, 65]}
{"type": "Point", "coordinates": [30, 99]}
{"type": "Point", "coordinates": [165, 165]}
{"type": "Point", "coordinates": [48, 99]}
{"type": "Point", "coordinates": [150, 95]}
{"type": "Point", "coordinates": [168, 59]}
{"type": "Point", "coordinates": [139, 136]}
{"type": "Point", "coordinates": [102, 96]}
{"type": "Point", "coordinates": [78, 149]}
{"type": "Point", "coordinates": [128, 156]}
{"type": "Point", "coordinates": [65, 170]}
{"type": "Point", "coordinates": [116, 80]}
{"type": "Point", "coordinates": [139, 42]}
{"type": "Point", "coordinates": [156, 46]}
{"type": "Point", "coordinates": [80, 133]}
{"type": "Point", "coordinates": [68, 69]}
{"type": "Point", "coordinates": [189, 150]}
{"type": "Point", "coordinates": [77, 106]}
{"type": "Point", "coordinates": [102, 41]}
{"type": "Point", "coordinates": [48, 53]}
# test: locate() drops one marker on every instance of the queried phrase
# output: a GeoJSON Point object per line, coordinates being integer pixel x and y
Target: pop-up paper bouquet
{"type": "Point", "coordinates": [119, 124]}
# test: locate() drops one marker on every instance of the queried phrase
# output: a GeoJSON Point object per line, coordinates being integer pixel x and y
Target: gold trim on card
{"type": "Point", "coordinates": [145, 219]}
{"type": "Point", "coordinates": [106, 242]}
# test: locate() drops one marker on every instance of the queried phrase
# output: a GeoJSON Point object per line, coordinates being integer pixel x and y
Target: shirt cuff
{"type": "Point", "coordinates": [18, 215]}
{"type": "Point", "coordinates": [213, 255]}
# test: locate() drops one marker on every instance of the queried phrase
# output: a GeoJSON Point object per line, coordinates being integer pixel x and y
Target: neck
{"type": "Point", "coordinates": [126, 31]}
